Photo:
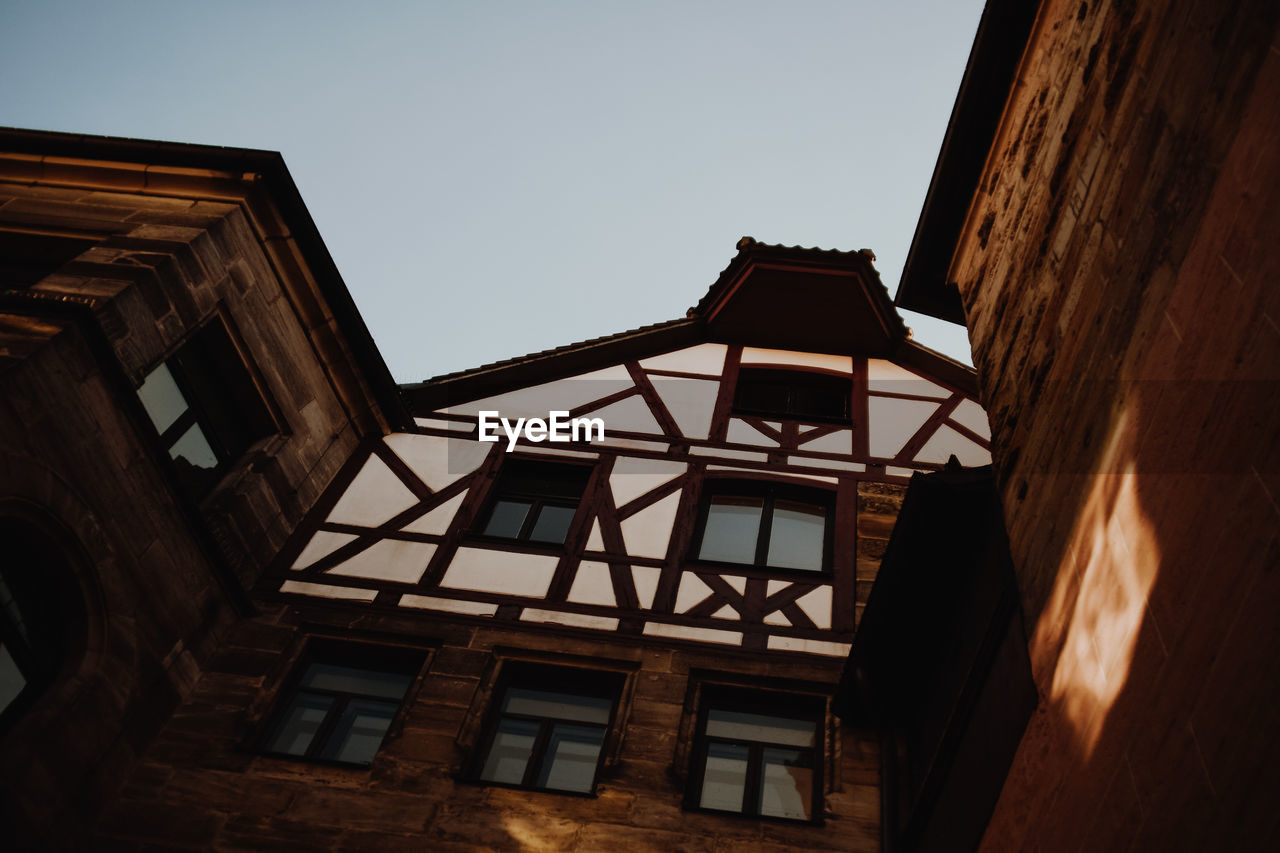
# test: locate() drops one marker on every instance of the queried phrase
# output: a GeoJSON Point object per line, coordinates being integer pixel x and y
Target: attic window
{"type": "Point", "coordinates": [793, 395]}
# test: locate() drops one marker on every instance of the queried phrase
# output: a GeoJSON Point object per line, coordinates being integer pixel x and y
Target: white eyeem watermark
{"type": "Point", "coordinates": [558, 427]}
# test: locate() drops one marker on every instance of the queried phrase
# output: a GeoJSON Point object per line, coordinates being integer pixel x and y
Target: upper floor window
{"type": "Point", "coordinates": [765, 524]}
{"type": "Point", "coordinates": [535, 501]}
{"type": "Point", "coordinates": [547, 728]}
{"type": "Point", "coordinates": [793, 395]}
{"type": "Point", "coordinates": [340, 702]}
{"type": "Point", "coordinates": [205, 406]}
{"type": "Point", "coordinates": [758, 754]}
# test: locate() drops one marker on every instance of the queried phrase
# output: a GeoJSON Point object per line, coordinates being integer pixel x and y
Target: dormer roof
{"type": "Point", "coordinates": [788, 297]}
{"type": "Point", "coordinates": [769, 296]}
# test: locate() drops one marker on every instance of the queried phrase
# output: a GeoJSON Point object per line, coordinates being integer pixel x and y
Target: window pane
{"type": "Point", "coordinates": [755, 395]}
{"type": "Point", "coordinates": [570, 763]}
{"type": "Point", "coordinates": [560, 706]}
{"type": "Point", "coordinates": [359, 731]}
{"type": "Point", "coordinates": [724, 780]}
{"type": "Point", "coordinates": [161, 398]}
{"type": "Point", "coordinates": [194, 449]}
{"type": "Point", "coordinates": [796, 536]}
{"type": "Point", "coordinates": [12, 613]}
{"type": "Point", "coordinates": [552, 524]}
{"type": "Point", "coordinates": [786, 784]}
{"type": "Point", "coordinates": [740, 725]}
{"type": "Point", "coordinates": [349, 679]}
{"type": "Point", "coordinates": [300, 724]}
{"type": "Point", "coordinates": [11, 679]}
{"type": "Point", "coordinates": [221, 389]}
{"type": "Point", "coordinates": [826, 403]}
{"type": "Point", "coordinates": [733, 526]}
{"type": "Point", "coordinates": [507, 518]}
{"type": "Point", "coordinates": [509, 754]}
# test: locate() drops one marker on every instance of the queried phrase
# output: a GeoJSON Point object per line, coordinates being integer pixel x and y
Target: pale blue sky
{"type": "Point", "coordinates": [496, 178]}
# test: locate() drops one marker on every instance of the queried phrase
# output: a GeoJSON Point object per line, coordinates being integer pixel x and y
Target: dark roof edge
{"type": "Point", "coordinates": [496, 378]}
{"type": "Point", "coordinates": [281, 188]}
{"type": "Point", "coordinates": [959, 375]}
{"type": "Point", "coordinates": [988, 79]}
{"type": "Point", "coordinates": [861, 261]}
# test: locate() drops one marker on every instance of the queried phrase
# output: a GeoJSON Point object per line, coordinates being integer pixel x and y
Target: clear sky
{"type": "Point", "coordinates": [497, 178]}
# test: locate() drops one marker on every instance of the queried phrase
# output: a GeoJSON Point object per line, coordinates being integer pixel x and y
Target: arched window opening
{"type": "Point", "coordinates": [41, 615]}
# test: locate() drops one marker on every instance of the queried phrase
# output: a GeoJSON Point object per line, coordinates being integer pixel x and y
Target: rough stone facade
{"type": "Point", "coordinates": [162, 577]}
{"type": "Point", "coordinates": [1118, 270]}
{"type": "Point", "coordinates": [151, 736]}
{"type": "Point", "coordinates": [204, 784]}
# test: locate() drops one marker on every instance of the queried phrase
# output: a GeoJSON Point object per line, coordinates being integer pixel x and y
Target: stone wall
{"type": "Point", "coordinates": [204, 784]}
{"type": "Point", "coordinates": [1119, 271]}
{"type": "Point", "coordinates": [161, 577]}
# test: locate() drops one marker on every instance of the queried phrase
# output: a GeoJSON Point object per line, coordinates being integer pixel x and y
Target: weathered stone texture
{"type": "Point", "coordinates": [878, 507]}
{"type": "Point", "coordinates": [75, 443]}
{"type": "Point", "coordinates": [1119, 275]}
{"type": "Point", "coordinates": [204, 763]}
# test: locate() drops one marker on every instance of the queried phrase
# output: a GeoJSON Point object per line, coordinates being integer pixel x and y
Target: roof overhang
{"type": "Point", "coordinates": [989, 78]}
{"type": "Point", "coordinates": [813, 300]}
{"type": "Point", "coordinates": [780, 297]}
{"type": "Point", "coordinates": [258, 180]}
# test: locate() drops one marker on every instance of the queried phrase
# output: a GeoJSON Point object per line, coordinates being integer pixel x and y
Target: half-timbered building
{"type": "Point", "coordinates": [655, 616]}
{"type": "Point", "coordinates": [332, 624]}
{"type": "Point", "coordinates": [339, 620]}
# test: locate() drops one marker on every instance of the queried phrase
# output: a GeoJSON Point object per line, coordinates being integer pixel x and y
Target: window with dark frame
{"type": "Point", "coordinates": [765, 524]}
{"type": "Point", "coordinates": [535, 501]}
{"type": "Point", "coordinates": [341, 702]}
{"type": "Point", "coordinates": [758, 754]}
{"type": "Point", "coordinates": [206, 408]}
{"type": "Point", "coordinates": [42, 617]}
{"type": "Point", "coordinates": [797, 395]}
{"type": "Point", "coordinates": [547, 728]}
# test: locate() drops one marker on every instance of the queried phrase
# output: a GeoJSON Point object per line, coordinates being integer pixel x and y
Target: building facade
{"type": "Point", "coordinates": [283, 613]}
{"type": "Point", "coordinates": [1104, 219]}
{"type": "Point", "coordinates": [340, 620]}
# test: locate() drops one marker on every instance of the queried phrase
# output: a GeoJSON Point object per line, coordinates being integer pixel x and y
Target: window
{"type": "Point", "coordinates": [42, 615]}
{"type": "Point", "coordinates": [535, 501]}
{"type": "Point", "coordinates": [793, 395]}
{"type": "Point", "coordinates": [342, 701]}
{"type": "Point", "coordinates": [767, 525]}
{"type": "Point", "coordinates": [757, 754]}
{"type": "Point", "coordinates": [206, 408]}
{"type": "Point", "coordinates": [547, 728]}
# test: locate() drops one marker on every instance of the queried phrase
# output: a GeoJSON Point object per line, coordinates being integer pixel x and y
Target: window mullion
{"type": "Point", "coordinates": [178, 428]}
{"type": "Point", "coordinates": [530, 519]}
{"type": "Point", "coordinates": [538, 753]}
{"type": "Point", "coordinates": [751, 787]}
{"type": "Point", "coordinates": [766, 527]}
{"type": "Point", "coordinates": [323, 732]}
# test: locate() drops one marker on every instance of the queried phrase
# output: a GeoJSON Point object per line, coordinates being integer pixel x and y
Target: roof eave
{"type": "Point", "coordinates": [280, 187]}
{"type": "Point", "coordinates": [988, 80]}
